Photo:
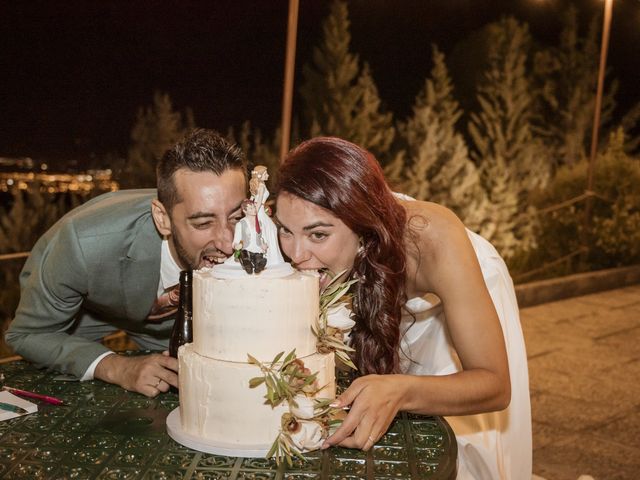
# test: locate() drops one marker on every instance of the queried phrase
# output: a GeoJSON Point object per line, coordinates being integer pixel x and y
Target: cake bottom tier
{"type": "Point", "coordinates": [217, 404]}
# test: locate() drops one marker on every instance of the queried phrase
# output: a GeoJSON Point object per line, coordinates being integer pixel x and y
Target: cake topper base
{"type": "Point", "coordinates": [175, 431]}
{"type": "Point", "coordinates": [232, 269]}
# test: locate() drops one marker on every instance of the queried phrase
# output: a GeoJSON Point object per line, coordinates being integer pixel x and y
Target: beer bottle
{"type": "Point", "coordinates": [183, 326]}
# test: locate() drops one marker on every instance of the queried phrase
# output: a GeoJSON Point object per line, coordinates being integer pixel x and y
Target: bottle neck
{"type": "Point", "coordinates": [185, 289]}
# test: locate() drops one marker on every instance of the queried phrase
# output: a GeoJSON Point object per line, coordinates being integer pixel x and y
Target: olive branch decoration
{"type": "Point", "coordinates": [285, 379]}
{"type": "Point", "coordinates": [331, 339]}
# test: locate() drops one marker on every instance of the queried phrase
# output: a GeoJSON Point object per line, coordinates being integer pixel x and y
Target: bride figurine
{"type": "Point", "coordinates": [259, 195]}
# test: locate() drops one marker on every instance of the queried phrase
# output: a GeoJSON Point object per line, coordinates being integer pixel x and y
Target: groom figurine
{"type": "Point", "coordinates": [248, 242]}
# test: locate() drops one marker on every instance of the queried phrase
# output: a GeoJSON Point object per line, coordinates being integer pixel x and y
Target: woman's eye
{"type": "Point", "coordinates": [236, 219]}
{"type": "Point", "coordinates": [284, 231]}
{"type": "Point", "coordinates": [318, 236]}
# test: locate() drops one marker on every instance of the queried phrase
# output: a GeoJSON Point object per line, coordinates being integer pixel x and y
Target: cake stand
{"type": "Point", "coordinates": [174, 428]}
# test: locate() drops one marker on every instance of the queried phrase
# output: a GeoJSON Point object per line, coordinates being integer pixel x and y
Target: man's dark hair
{"type": "Point", "coordinates": [200, 150]}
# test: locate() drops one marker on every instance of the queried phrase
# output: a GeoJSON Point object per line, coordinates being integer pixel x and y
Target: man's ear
{"type": "Point", "coordinates": [161, 218]}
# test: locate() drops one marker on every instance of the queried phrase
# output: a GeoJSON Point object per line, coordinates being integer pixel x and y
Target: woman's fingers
{"type": "Point", "coordinates": [374, 405]}
{"type": "Point", "coordinates": [348, 426]}
{"type": "Point", "coordinates": [350, 394]}
{"type": "Point", "coordinates": [368, 431]}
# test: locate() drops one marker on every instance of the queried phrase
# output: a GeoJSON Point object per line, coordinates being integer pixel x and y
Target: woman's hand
{"type": "Point", "coordinates": [375, 400]}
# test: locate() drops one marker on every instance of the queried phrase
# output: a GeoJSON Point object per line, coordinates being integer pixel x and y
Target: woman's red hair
{"type": "Point", "coordinates": [348, 181]}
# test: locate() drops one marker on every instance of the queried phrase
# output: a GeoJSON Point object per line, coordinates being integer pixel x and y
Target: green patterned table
{"type": "Point", "coordinates": [108, 433]}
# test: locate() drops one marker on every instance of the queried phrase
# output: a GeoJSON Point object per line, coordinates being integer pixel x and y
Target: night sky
{"type": "Point", "coordinates": [73, 73]}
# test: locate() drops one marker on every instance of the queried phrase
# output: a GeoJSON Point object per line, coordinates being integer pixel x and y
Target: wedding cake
{"type": "Point", "coordinates": [234, 318]}
{"type": "Point", "coordinates": [241, 323]}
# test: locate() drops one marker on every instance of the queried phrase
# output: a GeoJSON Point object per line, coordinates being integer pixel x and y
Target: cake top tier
{"type": "Point", "coordinates": [254, 315]}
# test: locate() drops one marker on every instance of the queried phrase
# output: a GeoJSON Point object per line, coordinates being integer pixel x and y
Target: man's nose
{"type": "Point", "coordinates": [224, 238]}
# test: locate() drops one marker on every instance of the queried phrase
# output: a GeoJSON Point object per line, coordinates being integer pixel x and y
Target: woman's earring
{"type": "Point", "coordinates": [360, 245]}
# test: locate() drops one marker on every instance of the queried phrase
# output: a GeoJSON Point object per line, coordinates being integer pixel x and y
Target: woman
{"type": "Point", "coordinates": [437, 329]}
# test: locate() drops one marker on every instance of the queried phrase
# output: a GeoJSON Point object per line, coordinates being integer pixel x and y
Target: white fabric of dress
{"type": "Point", "coordinates": [491, 446]}
{"type": "Point", "coordinates": [269, 229]}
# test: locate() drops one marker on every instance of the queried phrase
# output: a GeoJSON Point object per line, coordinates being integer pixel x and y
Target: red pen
{"type": "Point", "coordinates": [37, 396]}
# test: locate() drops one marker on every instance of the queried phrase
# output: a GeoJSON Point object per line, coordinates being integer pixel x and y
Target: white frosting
{"type": "Point", "coordinates": [233, 317]}
{"type": "Point", "coordinates": [254, 315]}
{"type": "Point", "coordinates": [217, 404]}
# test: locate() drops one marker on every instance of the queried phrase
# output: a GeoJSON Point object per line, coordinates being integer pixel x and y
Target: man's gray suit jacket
{"type": "Point", "coordinates": [100, 261]}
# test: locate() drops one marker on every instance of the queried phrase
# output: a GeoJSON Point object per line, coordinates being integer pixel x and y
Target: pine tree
{"type": "Point", "coordinates": [156, 129]}
{"type": "Point", "coordinates": [372, 129]}
{"type": "Point", "coordinates": [511, 158]}
{"type": "Point", "coordinates": [341, 98]}
{"type": "Point", "coordinates": [503, 209]}
{"type": "Point", "coordinates": [260, 149]}
{"type": "Point", "coordinates": [31, 214]}
{"type": "Point", "coordinates": [618, 231]}
{"type": "Point", "coordinates": [566, 76]}
{"type": "Point", "coordinates": [629, 124]}
{"type": "Point", "coordinates": [440, 169]}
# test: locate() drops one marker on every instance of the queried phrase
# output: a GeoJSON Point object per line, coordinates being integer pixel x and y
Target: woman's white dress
{"type": "Point", "coordinates": [495, 445]}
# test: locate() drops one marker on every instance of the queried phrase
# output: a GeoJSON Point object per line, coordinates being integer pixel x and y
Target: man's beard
{"type": "Point", "coordinates": [183, 255]}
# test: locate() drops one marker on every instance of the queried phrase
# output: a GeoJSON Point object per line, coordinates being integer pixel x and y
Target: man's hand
{"type": "Point", "coordinates": [145, 374]}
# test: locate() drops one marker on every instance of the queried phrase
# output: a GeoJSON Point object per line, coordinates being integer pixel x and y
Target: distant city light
{"type": "Point", "coordinates": [51, 182]}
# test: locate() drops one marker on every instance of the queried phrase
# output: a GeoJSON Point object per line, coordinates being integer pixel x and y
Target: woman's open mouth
{"type": "Point", "coordinates": [326, 276]}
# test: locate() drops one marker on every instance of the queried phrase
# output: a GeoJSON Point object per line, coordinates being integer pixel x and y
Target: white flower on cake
{"type": "Point", "coordinates": [305, 435]}
{"type": "Point", "coordinates": [339, 317]}
{"type": "Point", "coordinates": [305, 408]}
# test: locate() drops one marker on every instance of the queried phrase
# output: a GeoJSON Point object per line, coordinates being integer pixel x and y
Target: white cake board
{"type": "Point", "coordinates": [174, 428]}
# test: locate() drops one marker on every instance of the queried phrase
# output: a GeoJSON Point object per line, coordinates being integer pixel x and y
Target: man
{"type": "Point", "coordinates": [101, 267]}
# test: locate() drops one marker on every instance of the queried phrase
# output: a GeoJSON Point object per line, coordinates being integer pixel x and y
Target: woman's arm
{"type": "Point", "coordinates": [441, 261]}
{"type": "Point", "coordinates": [375, 400]}
{"type": "Point", "coordinates": [448, 266]}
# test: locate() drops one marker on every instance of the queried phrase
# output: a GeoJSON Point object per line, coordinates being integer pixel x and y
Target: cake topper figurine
{"type": "Point", "coordinates": [255, 241]}
{"type": "Point", "coordinates": [248, 243]}
{"type": "Point", "coordinates": [259, 195]}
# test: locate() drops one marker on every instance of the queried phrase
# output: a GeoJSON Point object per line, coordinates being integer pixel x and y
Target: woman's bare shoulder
{"type": "Point", "coordinates": [429, 221]}
{"type": "Point", "coordinates": [433, 236]}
